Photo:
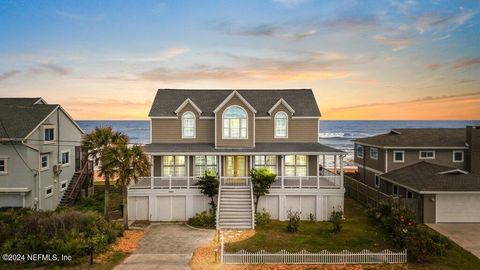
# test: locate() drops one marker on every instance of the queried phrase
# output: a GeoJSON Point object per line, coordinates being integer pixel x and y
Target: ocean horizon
{"type": "Point", "coordinates": [335, 133]}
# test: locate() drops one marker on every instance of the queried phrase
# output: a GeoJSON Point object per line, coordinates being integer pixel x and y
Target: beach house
{"type": "Point", "coordinates": [231, 132]}
{"type": "Point", "coordinates": [40, 164]}
{"type": "Point", "coordinates": [435, 170]}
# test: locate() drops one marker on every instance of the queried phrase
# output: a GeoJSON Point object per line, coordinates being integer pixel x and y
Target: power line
{"type": "Point", "coordinates": [15, 148]}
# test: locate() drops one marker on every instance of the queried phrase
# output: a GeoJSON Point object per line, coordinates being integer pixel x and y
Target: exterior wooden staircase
{"type": "Point", "coordinates": [235, 208]}
{"type": "Point", "coordinates": [79, 178]}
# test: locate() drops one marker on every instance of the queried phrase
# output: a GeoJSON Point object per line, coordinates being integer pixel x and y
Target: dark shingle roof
{"type": "Point", "coordinates": [168, 100]}
{"type": "Point", "coordinates": [259, 148]}
{"type": "Point", "coordinates": [425, 176]}
{"type": "Point", "coordinates": [19, 116]}
{"type": "Point", "coordinates": [419, 137]}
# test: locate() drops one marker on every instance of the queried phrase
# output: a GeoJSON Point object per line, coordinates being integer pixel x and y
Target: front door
{"type": "Point", "coordinates": [235, 166]}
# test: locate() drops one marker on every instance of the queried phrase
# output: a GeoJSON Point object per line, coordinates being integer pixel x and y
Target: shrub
{"type": "Point", "coordinates": [293, 221]}
{"type": "Point", "coordinates": [311, 217]}
{"type": "Point", "coordinates": [263, 218]}
{"type": "Point", "coordinates": [424, 244]}
{"type": "Point", "coordinates": [208, 184]}
{"type": "Point", "coordinates": [203, 220]}
{"type": "Point", "coordinates": [65, 232]}
{"type": "Point", "coordinates": [336, 219]}
{"type": "Point", "coordinates": [262, 180]}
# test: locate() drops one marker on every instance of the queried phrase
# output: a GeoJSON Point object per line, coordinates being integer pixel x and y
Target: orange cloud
{"type": "Point", "coordinates": [465, 107]}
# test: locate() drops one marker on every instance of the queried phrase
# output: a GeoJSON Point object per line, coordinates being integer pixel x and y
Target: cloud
{"type": "Point", "coordinates": [265, 30]}
{"type": "Point", "coordinates": [100, 108]}
{"type": "Point", "coordinates": [467, 63]}
{"type": "Point", "coordinates": [397, 43]}
{"type": "Point", "coordinates": [50, 68]}
{"type": "Point", "coordinates": [160, 56]}
{"type": "Point", "coordinates": [433, 66]}
{"type": "Point", "coordinates": [352, 23]}
{"type": "Point", "coordinates": [79, 17]}
{"type": "Point", "coordinates": [289, 3]}
{"type": "Point", "coordinates": [403, 6]}
{"type": "Point", "coordinates": [443, 21]}
{"type": "Point", "coordinates": [8, 74]}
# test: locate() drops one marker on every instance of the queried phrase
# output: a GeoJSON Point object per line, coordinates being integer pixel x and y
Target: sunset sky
{"type": "Point", "coordinates": [363, 59]}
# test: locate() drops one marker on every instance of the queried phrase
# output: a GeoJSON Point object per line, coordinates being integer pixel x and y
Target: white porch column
{"type": "Point", "coordinates": [282, 168]}
{"type": "Point", "coordinates": [219, 167]}
{"type": "Point", "coordinates": [152, 159]}
{"type": "Point", "coordinates": [323, 165]}
{"type": "Point", "coordinates": [341, 171]}
{"type": "Point", "coordinates": [188, 172]}
{"type": "Point", "coordinates": [335, 164]}
{"type": "Point", "coordinates": [318, 171]}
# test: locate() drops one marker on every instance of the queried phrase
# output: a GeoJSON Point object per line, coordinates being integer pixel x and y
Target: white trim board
{"type": "Point", "coordinates": [281, 101]}
{"type": "Point", "coordinates": [187, 101]}
{"type": "Point", "coordinates": [227, 99]}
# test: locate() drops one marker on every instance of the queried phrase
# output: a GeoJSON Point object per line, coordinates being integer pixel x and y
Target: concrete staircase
{"type": "Point", "coordinates": [235, 208]}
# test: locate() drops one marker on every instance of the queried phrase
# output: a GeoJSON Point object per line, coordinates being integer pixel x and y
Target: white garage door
{"type": "Point", "coordinates": [458, 208]}
{"type": "Point", "coordinates": [170, 208]}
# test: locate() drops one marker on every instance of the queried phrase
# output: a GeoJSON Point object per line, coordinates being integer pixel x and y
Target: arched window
{"type": "Point", "coordinates": [281, 125]}
{"type": "Point", "coordinates": [188, 125]}
{"type": "Point", "coordinates": [235, 122]}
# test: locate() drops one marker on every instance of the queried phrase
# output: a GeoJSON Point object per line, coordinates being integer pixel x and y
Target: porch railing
{"type": "Point", "coordinates": [287, 182]}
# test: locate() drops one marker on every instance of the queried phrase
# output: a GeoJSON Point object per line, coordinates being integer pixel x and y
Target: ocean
{"type": "Point", "coordinates": [334, 133]}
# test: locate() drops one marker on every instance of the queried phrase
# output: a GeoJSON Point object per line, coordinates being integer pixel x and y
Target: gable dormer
{"type": "Point", "coordinates": [234, 123]}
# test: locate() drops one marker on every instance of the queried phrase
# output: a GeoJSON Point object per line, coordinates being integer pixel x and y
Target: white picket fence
{"type": "Point", "coordinates": [305, 257]}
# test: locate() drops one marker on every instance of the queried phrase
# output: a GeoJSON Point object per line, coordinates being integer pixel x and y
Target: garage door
{"type": "Point", "coordinates": [170, 208]}
{"type": "Point", "coordinates": [458, 208]}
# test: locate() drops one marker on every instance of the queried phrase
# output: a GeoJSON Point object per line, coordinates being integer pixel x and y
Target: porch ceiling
{"type": "Point", "coordinates": [260, 148]}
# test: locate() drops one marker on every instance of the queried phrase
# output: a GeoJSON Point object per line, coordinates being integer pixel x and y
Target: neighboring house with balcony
{"type": "Point", "coordinates": [435, 170]}
{"type": "Point", "coordinates": [39, 153]}
{"type": "Point", "coordinates": [231, 132]}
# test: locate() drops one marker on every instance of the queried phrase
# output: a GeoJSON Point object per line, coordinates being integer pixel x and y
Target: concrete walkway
{"type": "Point", "coordinates": [166, 246]}
{"type": "Point", "coordinates": [466, 235]}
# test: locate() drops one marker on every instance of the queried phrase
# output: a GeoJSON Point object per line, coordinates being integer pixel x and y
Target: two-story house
{"type": "Point", "coordinates": [231, 132]}
{"type": "Point", "coordinates": [39, 153]}
{"type": "Point", "coordinates": [437, 170]}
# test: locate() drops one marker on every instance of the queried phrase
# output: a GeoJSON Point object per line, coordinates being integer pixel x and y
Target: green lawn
{"type": "Point", "coordinates": [357, 234]}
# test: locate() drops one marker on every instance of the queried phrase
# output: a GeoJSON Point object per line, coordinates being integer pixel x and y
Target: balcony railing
{"type": "Point", "coordinates": [287, 182]}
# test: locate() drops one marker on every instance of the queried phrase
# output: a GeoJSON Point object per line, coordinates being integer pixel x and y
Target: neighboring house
{"type": "Point", "coordinates": [436, 170]}
{"type": "Point", "coordinates": [231, 132]}
{"type": "Point", "coordinates": [438, 193]}
{"type": "Point", "coordinates": [39, 153]}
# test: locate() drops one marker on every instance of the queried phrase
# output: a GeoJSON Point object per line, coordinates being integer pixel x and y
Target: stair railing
{"type": "Point", "coordinates": [253, 205]}
{"type": "Point", "coordinates": [218, 203]}
{"type": "Point", "coordinates": [79, 181]}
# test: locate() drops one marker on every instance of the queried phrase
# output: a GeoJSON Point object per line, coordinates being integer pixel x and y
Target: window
{"type": "Point", "coordinates": [44, 162]}
{"type": "Point", "coordinates": [377, 180]}
{"type": "Point", "coordinates": [205, 163]}
{"type": "Point", "coordinates": [173, 166]}
{"type": "Point", "coordinates": [48, 191]}
{"type": "Point", "coordinates": [235, 123]}
{"type": "Point", "coordinates": [269, 162]}
{"type": "Point", "coordinates": [373, 153]}
{"type": "Point", "coordinates": [395, 190]}
{"type": "Point", "coordinates": [188, 125]}
{"type": "Point", "coordinates": [360, 151]}
{"type": "Point", "coordinates": [457, 156]}
{"type": "Point", "coordinates": [49, 134]}
{"type": "Point", "coordinates": [3, 166]}
{"type": "Point", "coordinates": [426, 155]}
{"type": "Point", "coordinates": [281, 125]}
{"type": "Point", "coordinates": [399, 156]}
{"type": "Point", "coordinates": [295, 165]}
{"type": "Point", "coordinates": [409, 194]}
{"type": "Point", "coordinates": [63, 185]}
{"type": "Point", "coordinates": [65, 157]}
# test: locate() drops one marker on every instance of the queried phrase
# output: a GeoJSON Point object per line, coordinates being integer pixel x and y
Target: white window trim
{"type": "Point", "coordinates": [54, 134]}
{"type": "Point", "coordinates": [66, 185]}
{"type": "Point", "coordinates": [48, 162]}
{"type": "Point", "coordinates": [174, 166]}
{"type": "Point", "coordinates": [5, 172]}
{"type": "Point", "coordinates": [195, 165]}
{"type": "Point", "coordinates": [275, 126]}
{"type": "Point", "coordinates": [376, 149]}
{"type": "Point", "coordinates": [307, 165]}
{"type": "Point", "coordinates": [403, 156]}
{"type": "Point", "coordinates": [420, 154]}
{"type": "Point", "coordinates": [194, 126]}
{"type": "Point", "coordinates": [393, 189]}
{"type": "Point", "coordinates": [51, 194]}
{"type": "Point", "coordinates": [356, 151]}
{"type": "Point", "coordinates": [228, 138]}
{"type": "Point", "coordinates": [453, 156]}
{"type": "Point", "coordinates": [69, 157]}
{"type": "Point", "coordinates": [375, 177]}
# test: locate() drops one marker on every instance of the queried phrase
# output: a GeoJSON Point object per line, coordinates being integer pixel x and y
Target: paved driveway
{"type": "Point", "coordinates": [166, 246]}
{"type": "Point", "coordinates": [466, 235]}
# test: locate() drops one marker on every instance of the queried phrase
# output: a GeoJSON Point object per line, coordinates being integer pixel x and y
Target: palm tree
{"type": "Point", "coordinates": [127, 164]}
{"type": "Point", "coordinates": [94, 146]}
